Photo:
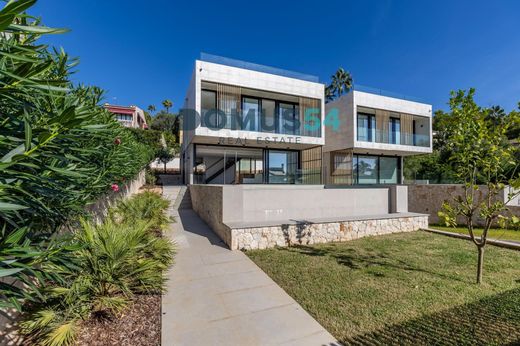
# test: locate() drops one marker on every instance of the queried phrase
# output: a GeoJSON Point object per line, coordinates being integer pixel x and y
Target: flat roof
{"type": "Point", "coordinates": [257, 67]}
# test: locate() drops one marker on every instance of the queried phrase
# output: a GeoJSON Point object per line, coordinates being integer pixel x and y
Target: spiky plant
{"type": "Point", "coordinates": [148, 206]}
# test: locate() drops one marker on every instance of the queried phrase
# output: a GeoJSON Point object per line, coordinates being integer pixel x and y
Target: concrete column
{"type": "Point", "coordinates": [398, 199]}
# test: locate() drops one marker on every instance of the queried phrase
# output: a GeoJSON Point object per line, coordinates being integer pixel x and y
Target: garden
{"type": "Point", "coordinates": [402, 289]}
{"type": "Point", "coordinates": [68, 275]}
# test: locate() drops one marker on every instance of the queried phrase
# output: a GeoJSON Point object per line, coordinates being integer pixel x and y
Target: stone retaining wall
{"type": "Point", "coordinates": [314, 233]}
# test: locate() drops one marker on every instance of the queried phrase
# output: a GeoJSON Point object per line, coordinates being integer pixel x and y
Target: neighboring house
{"type": "Point", "coordinates": [131, 116]}
{"type": "Point", "coordinates": [375, 132]}
{"type": "Point", "coordinates": [251, 127]}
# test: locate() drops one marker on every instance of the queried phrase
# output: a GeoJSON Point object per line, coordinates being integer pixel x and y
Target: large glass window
{"type": "Point", "coordinates": [228, 165]}
{"type": "Point", "coordinates": [287, 114]}
{"type": "Point", "coordinates": [268, 116]}
{"type": "Point", "coordinates": [209, 116]}
{"type": "Point", "coordinates": [395, 131]}
{"type": "Point", "coordinates": [250, 112]}
{"type": "Point", "coordinates": [367, 169]}
{"type": "Point", "coordinates": [388, 170]}
{"type": "Point", "coordinates": [282, 166]}
{"type": "Point", "coordinates": [366, 125]}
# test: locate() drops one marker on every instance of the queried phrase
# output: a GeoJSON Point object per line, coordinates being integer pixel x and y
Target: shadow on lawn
{"type": "Point", "coordinates": [494, 320]}
{"type": "Point", "coordinates": [353, 259]}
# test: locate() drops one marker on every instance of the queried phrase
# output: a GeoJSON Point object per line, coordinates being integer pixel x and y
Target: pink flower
{"type": "Point", "coordinates": [114, 187]}
{"type": "Point", "coordinates": [117, 141]}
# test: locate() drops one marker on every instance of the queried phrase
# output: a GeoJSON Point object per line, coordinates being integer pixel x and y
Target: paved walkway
{"type": "Point", "coordinates": [220, 297]}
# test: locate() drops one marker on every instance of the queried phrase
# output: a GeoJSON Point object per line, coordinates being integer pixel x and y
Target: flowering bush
{"type": "Point", "coordinates": [59, 149]}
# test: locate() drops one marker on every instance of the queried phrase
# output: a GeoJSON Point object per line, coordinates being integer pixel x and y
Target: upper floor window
{"type": "Point", "coordinates": [124, 117]}
{"type": "Point", "coordinates": [366, 127]}
{"type": "Point", "coordinates": [395, 131]}
{"type": "Point", "coordinates": [237, 108]}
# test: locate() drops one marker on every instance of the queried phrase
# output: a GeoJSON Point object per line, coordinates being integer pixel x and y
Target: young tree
{"type": "Point", "coordinates": [480, 154]}
{"type": "Point", "coordinates": [167, 105]}
{"type": "Point", "coordinates": [165, 155]}
{"type": "Point", "coordinates": [151, 108]}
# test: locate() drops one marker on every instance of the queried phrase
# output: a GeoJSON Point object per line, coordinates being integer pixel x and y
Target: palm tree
{"type": "Point", "coordinates": [167, 104]}
{"type": "Point", "coordinates": [151, 108]}
{"type": "Point", "coordinates": [329, 93]}
{"type": "Point", "coordinates": [341, 83]}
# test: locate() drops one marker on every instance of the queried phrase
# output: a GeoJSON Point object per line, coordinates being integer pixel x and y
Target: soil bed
{"type": "Point", "coordinates": [139, 324]}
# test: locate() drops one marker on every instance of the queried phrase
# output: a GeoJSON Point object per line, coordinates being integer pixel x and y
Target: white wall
{"type": "Point", "coordinates": [258, 203]}
{"type": "Point", "coordinates": [211, 72]}
{"type": "Point", "coordinates": [346, 138]}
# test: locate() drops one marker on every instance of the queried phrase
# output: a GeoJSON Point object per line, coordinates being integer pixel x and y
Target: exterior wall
{"type": "Point", "coordinates": [428, 199]}
{"type": "Point", "coordinates": [343, 138]}
{"type": "Point", "coordinates": [346, 137]}
{"type": "Point", "coordinates": [314, 233]}
{"type": "Point", "coordinates": [242, 218]}
{"type": "Point", "coordinates": [206, 201]}
{"type": "Point", "coordinates": [241, 77]}
{"type": "Point", "coordinates": [211, 72]}
{"type": "Point", "coordinates": [100, 208]}
{"type": "Point", "coordinates": [270, 203]}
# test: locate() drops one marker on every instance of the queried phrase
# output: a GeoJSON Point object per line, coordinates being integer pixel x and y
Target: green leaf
{"type": "Point", "coordinates": [15, 7]}
{"type": "Point", "coordinates": [16, 151]}
{"type": "Point", "coordinates": [11, 206]}
{"type": "Point", "coordinates": [28, 134]}
{"type": "Point", "coordinates": [9, 272]}
{"type": "Point", "coordinates": [33, 29]}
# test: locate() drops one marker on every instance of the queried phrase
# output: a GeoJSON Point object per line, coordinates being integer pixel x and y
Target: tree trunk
{"type": "Point", "coordinates": [480, 264]}
{"type": "Point", "coordinates": [165, 168]}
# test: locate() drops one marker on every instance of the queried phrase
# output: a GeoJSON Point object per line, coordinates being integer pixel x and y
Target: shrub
{"type": "Point", "coordinates": [149, 177]}
{"type": "Point", "coordinates": [115, 260]}
{"type": "Point", "coordinates": [148, 206]}
{"type": "Point", "coordinates": [59, 150]}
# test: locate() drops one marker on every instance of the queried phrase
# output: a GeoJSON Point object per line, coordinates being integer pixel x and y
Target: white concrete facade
{"type": "Point", "coordinates": [260, 82]}
{"type": "Point", "coordinates": [229, 75]}
{"type": "Point", "coordinates": [392, 128]}
{"type": "Point", "coordinates": [347, 138]}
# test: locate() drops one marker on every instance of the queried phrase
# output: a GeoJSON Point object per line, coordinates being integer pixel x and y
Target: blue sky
{"type": "Point", "coordinates": [142, 52]}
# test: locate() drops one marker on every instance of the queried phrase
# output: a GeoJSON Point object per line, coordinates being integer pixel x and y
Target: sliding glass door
{"type": "Point", "coordinates": [282, 166]}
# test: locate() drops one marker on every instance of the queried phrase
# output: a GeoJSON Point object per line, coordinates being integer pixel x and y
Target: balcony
{"type": "Point", "coordinates": [388, 137]}
{"type": "Point", "coordinates": [393, 128]}
{"type": "Point", "coordinates": [242, 109]}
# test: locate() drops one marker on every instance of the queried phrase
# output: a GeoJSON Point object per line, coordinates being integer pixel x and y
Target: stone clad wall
{"type": "Point", "coordinates": [428, 199]}
{"type": "Point", "coordinates": [314, 233]}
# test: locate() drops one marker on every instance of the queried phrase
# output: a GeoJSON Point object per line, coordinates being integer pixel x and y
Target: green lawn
{"type": "Point", "coordinates": [497, 233]}
{"type": "Point", "coordinates": [408, 288]}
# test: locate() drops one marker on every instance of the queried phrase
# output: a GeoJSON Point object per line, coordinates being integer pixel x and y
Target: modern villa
{"type": "Point", "coordinates": [251, 128]}
{"type": "Point", "coordinates": [263, 170]}
{"type": "Point", "coordinates": [375, 132]}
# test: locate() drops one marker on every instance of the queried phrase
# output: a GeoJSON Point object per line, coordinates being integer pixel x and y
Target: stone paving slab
{"type": "Point", "coordinates": [220, 297]}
